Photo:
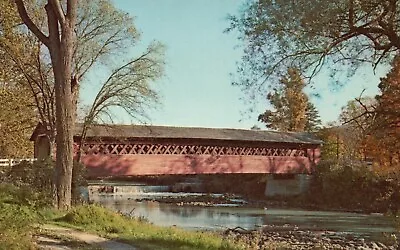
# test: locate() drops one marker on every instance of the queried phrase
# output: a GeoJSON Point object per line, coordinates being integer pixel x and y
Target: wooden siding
{"type": "Point", "coordinates": [102, 165]}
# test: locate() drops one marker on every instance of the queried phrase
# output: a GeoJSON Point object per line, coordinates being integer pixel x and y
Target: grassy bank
{"type": "Point", "coordinates": [25, 204]}
{"type": "Point", "coordinates": [21, 212]}
{"type": "Point", "coordinates": [140, 233]}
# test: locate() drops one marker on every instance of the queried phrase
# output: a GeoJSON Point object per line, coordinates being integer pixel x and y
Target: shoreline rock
{"type": "Point", "coordinates": [305, 239]}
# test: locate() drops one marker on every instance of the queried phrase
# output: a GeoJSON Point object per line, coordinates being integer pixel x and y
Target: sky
{"type": "Point", "coordinates": [200, 60]}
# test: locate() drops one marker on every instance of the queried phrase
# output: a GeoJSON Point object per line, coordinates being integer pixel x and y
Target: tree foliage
{"type": "Point", "coordinates": [70, 38]}
{"type": "Point", "coordinates": [16, 123]}
{"type": "Point", "coordinates": [292, 109]}
{"type": "Point", "coordinates": [388, 109]}
{"type": "Point", "coordinates": [129, 87]}
{"type": "Point", "coordinates": [357, 119]}
{"type": "Point", "coordinates": [8, 17]}
{"type": "Point", "coordinates": [105, 36]}
{"type": "Point", "coordinates": [332, 148]}
{"type": "Point", "coordinates": [313, 121]}
{"type": "Point", "coordinates": [310, 34]}
{"type": "Point", "coordinates": [371, 126]}
{"type": "Point", "coordinates": [359, 113]}
{"type": "Point", "coordinates": [16, 120]}
{"type": "Point", "coordinates": [386, 127]}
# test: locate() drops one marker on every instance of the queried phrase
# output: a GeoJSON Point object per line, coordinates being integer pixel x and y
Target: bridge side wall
{"type": "Point", "coordinates": [101, 165]}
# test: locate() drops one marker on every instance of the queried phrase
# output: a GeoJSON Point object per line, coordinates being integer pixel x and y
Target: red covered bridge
{"type": "Point", "coordinates": [129, 150]}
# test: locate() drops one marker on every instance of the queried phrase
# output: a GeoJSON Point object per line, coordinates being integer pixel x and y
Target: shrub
{"type": "Point", "coordinates": [23, 195]}
{"type": "Point", "coordinates": [354, 186]}
{"type": "Point", "coordinates": [17, 215]}
{"type": "Point", "coordinates": [38, 175]}
{"type": "Point", "coordinates": [32, 181]}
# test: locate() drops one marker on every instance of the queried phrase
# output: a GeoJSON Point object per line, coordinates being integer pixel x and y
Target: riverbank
{"type": "Point", "coordinates": [143, 235]}
{"type": "Point", "coordinates": [110, 226]}
{"type": "Point", "coordinates": [298, 239]}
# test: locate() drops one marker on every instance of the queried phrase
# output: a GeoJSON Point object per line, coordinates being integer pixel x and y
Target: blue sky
{"type": "Point", "coordinates": [196, 90]}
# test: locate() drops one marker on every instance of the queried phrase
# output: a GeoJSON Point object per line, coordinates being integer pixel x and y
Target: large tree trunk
{"type": "Point", "coordinates": [60, 42]}
{"type": "Point", "coordinates": [64, 124]}
{"type": "Point", "coordinates": [61, 57]}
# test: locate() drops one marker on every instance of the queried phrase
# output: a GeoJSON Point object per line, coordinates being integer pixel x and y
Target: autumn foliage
{"type": "Point", "coordinates": [384, 141]}
{"type": "Point", "coordinates": [292, 110]}
{"type": "Point", "coordinates": [370, 129]}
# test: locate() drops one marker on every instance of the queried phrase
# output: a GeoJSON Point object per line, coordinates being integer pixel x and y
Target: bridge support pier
{"type": "Point", "coordinates": [287, 184]}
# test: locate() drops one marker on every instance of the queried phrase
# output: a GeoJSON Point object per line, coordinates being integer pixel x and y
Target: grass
{"type": "Point", "coordinates": [21, 210]}
{"type": "Point", "coordinates": [142, 234]}
{"type": "Point", "coordinates": [18, 220]}
{"type": "Point", "coordinates": [17, 217]}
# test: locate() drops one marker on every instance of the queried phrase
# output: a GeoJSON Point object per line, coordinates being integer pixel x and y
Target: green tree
{"type": "Point", "coordinates": [16, 122]}
{"type": "Point", "coordinates": [103, 35]}
{"type": "Point", "coordinates": [311, 34]}
{"type": "Point", "coordinates": [8, 17]}
{"type": "Point", "coordinates": [16, 119]}
{"type": "Point", "coordinates": [292, 109]}
{"type": "Point", "coordinates": [313, 121]}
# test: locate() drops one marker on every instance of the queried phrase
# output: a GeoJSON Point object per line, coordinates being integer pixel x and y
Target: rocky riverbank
{"type": "Point", "coordinates": [290, 238]}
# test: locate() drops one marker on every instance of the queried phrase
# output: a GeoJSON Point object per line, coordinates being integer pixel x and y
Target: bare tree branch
{"type": "Point", "coordinates": [29, 23]}
{"type": "Point", "coordinates": [72, 6]}
{"type": "Point", "coordinates": [59, 12]}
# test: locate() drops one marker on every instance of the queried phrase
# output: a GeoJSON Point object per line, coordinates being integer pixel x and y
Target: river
{"type": "Point", "coordinates": [225, 216]}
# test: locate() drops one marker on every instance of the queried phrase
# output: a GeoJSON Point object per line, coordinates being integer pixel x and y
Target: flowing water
{"type": "Point", "coordinates": [230, 216]}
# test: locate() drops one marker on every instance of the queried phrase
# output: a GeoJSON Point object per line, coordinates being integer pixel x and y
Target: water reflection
{"type": "Point", "coordinates": [219, 218]}
{"type": "Point", "coordinates": [205, 218]}
{"type": "Point", "coordinates": [185, 212]}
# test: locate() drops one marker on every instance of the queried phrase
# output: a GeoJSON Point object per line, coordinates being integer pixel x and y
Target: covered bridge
{"type": "Point", "coordinates": [130, 150]}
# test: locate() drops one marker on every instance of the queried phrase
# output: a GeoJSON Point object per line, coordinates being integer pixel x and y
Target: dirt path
{"type": "Point", "coordinates": [66, 238]}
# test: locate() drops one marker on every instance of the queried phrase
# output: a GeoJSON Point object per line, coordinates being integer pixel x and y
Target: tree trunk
{"type": "Point", "coordinates": [61, 57]}
{"type": "Point", "coordinates": [64, 122]}
{"type": "Point", "coordinates": [60, 44]}
{"type": "Point", "coordinates": [76, 167]}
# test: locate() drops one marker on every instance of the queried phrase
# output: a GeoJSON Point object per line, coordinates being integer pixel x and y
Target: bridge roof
{"type": "Point", "coordinates": [167, 132]}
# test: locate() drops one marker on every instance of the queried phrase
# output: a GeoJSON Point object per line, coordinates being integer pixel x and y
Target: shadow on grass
{"type": "Point", "coordinates": [165, 244]}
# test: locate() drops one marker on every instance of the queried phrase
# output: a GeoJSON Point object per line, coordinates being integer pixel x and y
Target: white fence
{"type": "Point", "coordinates": [12, 162]}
